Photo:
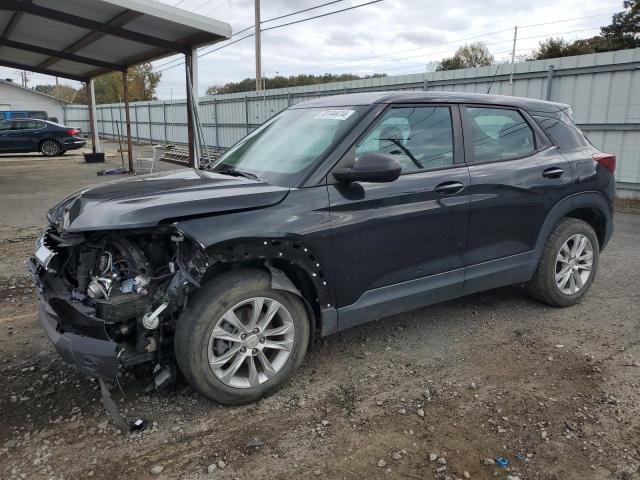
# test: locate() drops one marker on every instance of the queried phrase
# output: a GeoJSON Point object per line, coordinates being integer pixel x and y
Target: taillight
{"type": "Point", "coordinates": [72, 132]}
{"type": "Point", "coordinates": [607, 160]}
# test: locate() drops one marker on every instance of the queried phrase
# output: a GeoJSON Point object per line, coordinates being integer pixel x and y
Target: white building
{"type": "Point", "coordinates": [17, 98]}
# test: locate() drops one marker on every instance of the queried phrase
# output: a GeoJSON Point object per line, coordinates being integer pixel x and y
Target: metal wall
{"type": "Point", "coordinates": [603, 90]}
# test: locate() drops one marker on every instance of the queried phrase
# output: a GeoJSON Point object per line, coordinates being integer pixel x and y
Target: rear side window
{"type": "Point", "coordinates": [499, 134]}
{"type": "Point", "coordinates": [563, 132]}
{"type": "Point", "coordinates": [5, 126]}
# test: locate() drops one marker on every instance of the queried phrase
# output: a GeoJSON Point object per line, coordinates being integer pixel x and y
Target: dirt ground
{"type": "Point", "coordinates": [433, 393]}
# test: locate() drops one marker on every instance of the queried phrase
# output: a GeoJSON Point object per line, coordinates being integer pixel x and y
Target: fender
{"type": "Point", "coordinates": [592, 199]}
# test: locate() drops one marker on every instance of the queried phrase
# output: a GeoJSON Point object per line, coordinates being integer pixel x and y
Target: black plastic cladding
{"type": "Point", "coordinates": [290, 251]}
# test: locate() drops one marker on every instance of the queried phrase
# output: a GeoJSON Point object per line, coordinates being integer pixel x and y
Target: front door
{"type": "Point", "coordinates": [400, 245]}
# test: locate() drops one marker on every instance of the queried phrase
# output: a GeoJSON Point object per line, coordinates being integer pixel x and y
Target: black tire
{"type": "Point", "coordinates": [50, 148]}
{"type": "Point", "coordinates": [542, 285]}
{"type": "Point", "coordinates": [204, 310]}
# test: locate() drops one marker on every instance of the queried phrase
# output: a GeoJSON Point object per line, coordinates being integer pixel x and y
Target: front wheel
{"type": "Point", "coordinates": [50, 148]}
{"type": "Point", "coordinates": [239, 339]}
{"type": "Point", "coordinates": [568, 264]}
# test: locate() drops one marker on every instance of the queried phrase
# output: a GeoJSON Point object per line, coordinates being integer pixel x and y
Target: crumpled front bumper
{"type": "Point", "coordinates": [92, 357]}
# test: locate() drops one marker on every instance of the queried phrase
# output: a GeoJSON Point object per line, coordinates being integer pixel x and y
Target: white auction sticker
{"type": "Point", "coordinates": [334, 114]}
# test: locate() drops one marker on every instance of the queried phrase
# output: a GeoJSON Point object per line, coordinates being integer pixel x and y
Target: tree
{"type": "Point", "coordinates": [65, 93]}
{"type": "Point", "coordinates": [143, 82]}
{"type": "Point", "coordinates": [624, 32]}
{"type": "Point", "coordinates": [279, 81]}
{"type": "Point", "coordinates": [468, 56]}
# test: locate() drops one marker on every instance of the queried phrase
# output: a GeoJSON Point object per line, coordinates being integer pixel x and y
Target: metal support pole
{"type": "Point", "coordinates": [190, 137]}
{"type": "Point", "coordinates": [549, 83]}
{"type": "Point", "coordinates": [288, 99]}
{"type": "Point", "coordinates": [215, 119]}
{"type": "Point", "coordinates": [164, 120]}
{"type": "Point", "coordinates": [135, 121]}
{"type": "Point", "coordinates": [513, 58]}
{"type": "Point", "coordinates": [246, 112]}
{"type": "Point", "coordinates": [425, 85]}
{"type": "Point", "coordinates": [150, 125]}
{"type": "Point", "coordinates": [258, 49]}
{"type": "Point", "coordinates": [125, 84]}
{"type": "Point", "coordinates": [93, 122]}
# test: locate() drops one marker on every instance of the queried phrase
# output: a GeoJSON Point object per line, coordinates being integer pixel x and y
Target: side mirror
{"type": "Point", "coordinates": [374, 167]}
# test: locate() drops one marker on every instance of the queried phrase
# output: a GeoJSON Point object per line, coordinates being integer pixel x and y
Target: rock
{"type": "Point", "coordinates": [379, 403]}
{"type": "Point", "coordinates": [512, 477]}
{"type": "Point", "coordinates": [442, 460]}
{"type": "Point", "coordinates": [544, 435]}
{"type": "Point", "coordinates": [396, 456]}
{"type": "Point", "coordinates": [324, 423]}
{"type": "Point", "coordinates": [212, 468]}
{"type": "Point", "coordinates": [427, 394]}
{"type": "Point", "coordinates": [156, 470]}
{"type": "Point", "coordinates": [466, 474]}
{"type": "Point", "coordinates": [402, 411]}
{"type": "Point", "coordinates": [221, 464]}
{"type": "Point", "coordinates": [489, 461]}
{"type": "Point", "coordinates": [550, 358]}
{"type": "Point", "coordinates": [317, 472]}
{"type": "Point", "coordinates": [382, 463]}
{"type": "Point", "coordinates": [473, 386]}
{"type": "Point", "coordinates": [255, 443]}
{"type": "Point", "coordinates": [559, 346]}
{"type": "Point", "coordinates": [420, 412]}
{"type": "Point", "coordinates": [13, 399]}
{"type": "Point", "coordinates": [433, 457]}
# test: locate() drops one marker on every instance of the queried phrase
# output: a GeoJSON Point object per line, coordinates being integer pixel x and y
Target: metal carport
{"type": "Point", "coordinates": [81, 39]}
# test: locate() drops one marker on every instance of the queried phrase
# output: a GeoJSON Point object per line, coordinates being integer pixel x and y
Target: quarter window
{"type": "Point", "coordinates": [420, 138]}
{"type": "Point", "coordinates": [499, 134]}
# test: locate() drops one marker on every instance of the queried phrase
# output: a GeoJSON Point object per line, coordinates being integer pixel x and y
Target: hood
{"type": "Point", "coordinates": [147, 200]}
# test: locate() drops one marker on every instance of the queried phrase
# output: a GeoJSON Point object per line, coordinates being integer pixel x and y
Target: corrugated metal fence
{"type": "Point", "coordinates": [603, 90]}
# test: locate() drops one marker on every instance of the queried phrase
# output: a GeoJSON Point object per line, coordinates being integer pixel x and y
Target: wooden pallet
{"type": "Point", "coordinates": [180, 155]}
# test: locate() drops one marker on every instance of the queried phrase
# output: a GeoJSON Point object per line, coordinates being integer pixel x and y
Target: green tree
{"type": "Point", "coordinates": [624, 32]}
{"type": "Point", "coordinates": [65, 93]}
{"type": "Point", "coordinates": [468, 56]}
{"type": "Point", "coordinates": [143, 82]}
{"type": "Point", "coordinates": [279, 81]}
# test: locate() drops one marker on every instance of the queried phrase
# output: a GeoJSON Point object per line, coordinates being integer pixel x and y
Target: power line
{"type": "Point", "coordinates": [202, 54]}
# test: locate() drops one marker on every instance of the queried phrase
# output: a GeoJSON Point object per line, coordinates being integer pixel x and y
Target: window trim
{"type": "Point", "coordinates": [541, 140]}
{"type": "Point", "coordinates": [456, 125]}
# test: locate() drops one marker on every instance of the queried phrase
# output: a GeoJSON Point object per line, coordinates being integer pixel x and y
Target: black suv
{"type": "Point", "coordinates": [336, 212]}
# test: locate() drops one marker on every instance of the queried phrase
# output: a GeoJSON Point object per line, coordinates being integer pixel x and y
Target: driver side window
{"type": "Point", "coordinates": [421, 138]}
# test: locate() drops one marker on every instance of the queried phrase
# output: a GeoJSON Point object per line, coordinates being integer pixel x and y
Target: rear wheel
{"type": "Point", "coordinates": [50, 148]}
{"type": "Point", "coordinates": [239, 339]}
{"type": "Point", "coordinates": [568, 264]}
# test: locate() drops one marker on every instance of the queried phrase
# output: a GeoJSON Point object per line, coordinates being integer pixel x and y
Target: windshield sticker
{"type": "Point", "coordinates": [334, 115]}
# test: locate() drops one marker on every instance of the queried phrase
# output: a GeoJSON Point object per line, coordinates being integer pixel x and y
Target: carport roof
{"type": "Point", "coordinates": [81, 39]}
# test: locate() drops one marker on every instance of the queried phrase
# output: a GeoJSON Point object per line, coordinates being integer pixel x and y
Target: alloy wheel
{"type": "Point", "coordinates": [50, 148]}
{"type": "Point", "coordinates": [251, 342]}
{"type": "Point", "coordinates": [573, 264]}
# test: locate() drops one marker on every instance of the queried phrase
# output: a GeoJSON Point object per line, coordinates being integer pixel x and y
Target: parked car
{"type": "Point", "coordinates": [336, 212]}
{"type": "Point", "coordinates": [32, 135]}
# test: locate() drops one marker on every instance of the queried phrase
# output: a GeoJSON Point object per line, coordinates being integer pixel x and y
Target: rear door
{"type": "Point", "coordinates": [517, 176]}
{"type": "Point", "coordinates": [404, 238]}
{"type": "Point", "coordinates": [25, 134]}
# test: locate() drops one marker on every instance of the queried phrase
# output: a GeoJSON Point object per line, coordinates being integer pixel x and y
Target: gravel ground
{"type": "Point", "coordinates": [439, 392]}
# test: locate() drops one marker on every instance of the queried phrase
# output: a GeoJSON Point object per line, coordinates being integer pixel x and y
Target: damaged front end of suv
{"type": "Point", "coordinates": [111, 300]}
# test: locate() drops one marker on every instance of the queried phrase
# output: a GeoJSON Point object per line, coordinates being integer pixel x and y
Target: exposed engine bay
{"type": "Point", "coordinates": [124, 289]}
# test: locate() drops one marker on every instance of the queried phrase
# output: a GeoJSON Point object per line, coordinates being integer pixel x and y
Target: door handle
{"type": "Point", "coordinates": [553, 172]}
{"type": "Point", "coordinates": [449, 188]}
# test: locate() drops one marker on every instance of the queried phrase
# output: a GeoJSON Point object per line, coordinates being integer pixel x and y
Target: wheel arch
{"type": "Point", "coordinates": [292, 265]}
{"type": "Point", "coordinates": [592, 207]}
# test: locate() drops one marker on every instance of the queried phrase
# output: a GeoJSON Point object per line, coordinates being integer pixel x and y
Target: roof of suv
{"type": "Point", "coordinates": [369, 98]}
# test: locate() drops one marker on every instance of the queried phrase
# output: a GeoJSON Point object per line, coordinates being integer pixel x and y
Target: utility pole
{"type": "Point", "coordinates": [258, 52]}
{"type": "Point", "coordinates": [513, 58]}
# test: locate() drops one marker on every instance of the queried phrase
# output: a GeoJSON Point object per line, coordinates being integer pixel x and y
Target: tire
{"type": "Point", "coordinates": [197, 344]}
{"type": "Point", "coordinates": [544, 286]}
{"type": "Point", "coordinates": [62, 152]}
{"type": "Point", "coordinates": [50, 148]}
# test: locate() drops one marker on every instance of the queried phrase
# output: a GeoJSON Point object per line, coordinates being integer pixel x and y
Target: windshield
{"type": "Point", "coordinates": [283, 149]}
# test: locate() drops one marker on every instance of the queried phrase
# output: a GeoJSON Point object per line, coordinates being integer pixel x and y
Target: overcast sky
{"type": "Point", "coordinates": [392, 36]}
